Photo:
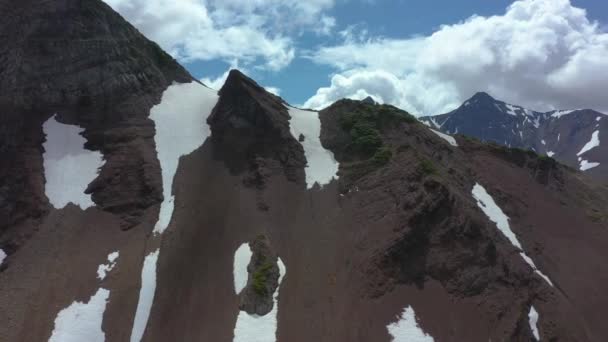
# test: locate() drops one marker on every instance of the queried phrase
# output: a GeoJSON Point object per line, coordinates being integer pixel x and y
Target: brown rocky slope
{"type": "Point", "coordinates": [399, 228]}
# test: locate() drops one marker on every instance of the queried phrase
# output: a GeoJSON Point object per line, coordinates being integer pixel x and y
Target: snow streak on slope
{"type": "Point", "coordinates": [82, 321]}
{"type": "Point", "coordinates": [587, 165]}
{"type": "Point", "coordinates": [446, 137]}
{"type": "Point", "coordinates": [495, 214]}
{"type": "Point", "coordinates": [2, 256]}
{"type": "Point", "coordinates": [533, 321]}
{"type": "Point", "coordinates": [407, 329]}
{"type": "Point", "coordinates": [242, 257]}
{"type": "Point", "coordinates": [322, 166]}
{"type": "Point", "coordinates": [68, 166]}
{"type": "Point", "coordinates": [103, 269]}
{"type": "Point", "coordinates": [594, 142]}
{"type": "Point", "coordinates": [146, 296]}
{"type": "Point", "coordinates": [181, 127]}
{"type": "Point", "coordinates": [253, 328]}
{"type": "Point", "coordinates": [559, 113]}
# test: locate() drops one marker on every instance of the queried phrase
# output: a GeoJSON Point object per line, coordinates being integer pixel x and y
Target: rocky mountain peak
{"type": "Point", "coordinates": [91, 60]}
{"type": "Point", "coordinates": [249, 123]}
{"type": "Point", "coordinates": [482, 97]}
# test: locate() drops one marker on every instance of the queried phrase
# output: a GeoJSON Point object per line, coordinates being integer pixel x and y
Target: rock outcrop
{"type": "Point", "coordinates": [94, 70]}
{"type": "Point", "coordinates": [249, 123]}
{"type": "Point", "coordinates": [257, 297]}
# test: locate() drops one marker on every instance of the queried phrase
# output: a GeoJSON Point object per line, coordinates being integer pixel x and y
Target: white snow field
{"type": "Point", "coordinates": [533, 320]}
{"type": "Point", "coordinates": [242, 257]}
{"type": "Point", "coordinates": [103, 269]}
{"type": "Point", "coordinates": [495, 214]}
{"type": "Point", "coordinates": [181, 127]}
{"type": "Point", "coordinates": [2, 256]}
{"type": "Point", "coordinates": [253, 328]}
{"type": "Point", "coordinates": [68, 166]}
{"type": "Point", "coordinates": [587, 165]}
{"type": "Point", "coordinates": [406, 329]}
{"type": "Point", "coordinates": [82, 321]}
{"type": "Point", "coordinates": [146, 296]}
{"type": "Point", "coordinates": [322, 166]}
{"type": "Point", "coordinates": [594, 142]}
{"type": "Point", "coordinates": [446, 137]}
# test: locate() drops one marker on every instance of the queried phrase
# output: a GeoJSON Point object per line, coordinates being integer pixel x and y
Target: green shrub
{"type": "Point", "coordinates": [260, 277]}
{"type": "Point", "coordinates": [427, 167]}
{"type": "Point", "coordinates": [382, 156]}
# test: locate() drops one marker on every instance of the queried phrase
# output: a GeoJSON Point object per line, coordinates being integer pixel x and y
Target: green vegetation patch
{"type": "Point", "coordinates": [427, 167]}
{"type": "Point", "coordinates": [382, 156]}
{"type": "Point", "coordinates": [260, 278]}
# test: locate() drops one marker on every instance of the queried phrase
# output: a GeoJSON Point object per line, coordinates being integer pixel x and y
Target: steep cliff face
{"type": "Point", "coordinates": [81, 60]}
{"type": "Point", "coordinates": [356, 223]}
{"type": "Point", "coordinates": [249, 125]}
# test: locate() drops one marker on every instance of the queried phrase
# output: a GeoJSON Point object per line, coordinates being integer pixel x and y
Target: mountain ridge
{"type": "Point", "coordinates": [449, 237]}
{"type": "Point", "coordinates": [560, 134]}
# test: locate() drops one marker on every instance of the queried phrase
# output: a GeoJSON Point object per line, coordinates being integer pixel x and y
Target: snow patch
{"type": "Point", "coordinates": [551, 154]}
{"type": "Point", "coordinates": [587, 165]}
{"type": "Point", "coordinates": [82, 321]}
{"type": "Point", "coordinates": [146, 296]}
{"type": "Point", "coordinates": [68, 166]}
{"type": "Point", "coordinates": [253, 328]}
{"type": "Point", "coordinates": [511, 109]}
{"type": "Point", "coordinates": [559, 136]}
{"type": "Point", "coordinates": [598, 118]}
{"type": "Point", "coordinates": [181, 127]}
{"type": "Point", "coordinates": [495, 214]}
{"type": "Point", "coordinates": [2, 256]}
{"type": "Point", "coordinates": [543, 142]}
{"type": "Point", "coordinates": [322, 167]}
{"type": "Point", "coordinates": [533, 320]}
{"type": "Point", "coordinates": [560, 113]}
{"type": "Point", "coordinates": [594, 142]}
{"type": "Point", "coordinates": [104, 269]}
{"type": "Point", "coordinates": [446, 137]}
{"type": "Point", "coordinates": [242, 257]}
{"type": "Point", "coordinates": [406, 329]}
{"type": "Point", "coordinates": [434, 122]}
{"type": "Point", "coordinates": [426, 123]}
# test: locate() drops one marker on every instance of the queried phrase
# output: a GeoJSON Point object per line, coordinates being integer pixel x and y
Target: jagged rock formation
{"type": "Point", "coordinates": [249, 125]}
{"type": "Point", "coordinates": [94, 70]}
{"type": "Point", "coordinates": [401, 227]}
{"type": "Point", "coordinates": [256, 298]}
{"type": "Point", "coordinates": [561, 134]}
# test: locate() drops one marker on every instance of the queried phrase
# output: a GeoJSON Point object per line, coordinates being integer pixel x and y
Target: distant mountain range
{"type": "Point", "coordinates": [572, 137]}
{"type": "Point", "coordinates": [137, 204]}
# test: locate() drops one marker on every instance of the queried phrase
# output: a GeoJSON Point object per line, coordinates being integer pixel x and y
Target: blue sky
{"type": "Point", "coordinates": [397, 51]}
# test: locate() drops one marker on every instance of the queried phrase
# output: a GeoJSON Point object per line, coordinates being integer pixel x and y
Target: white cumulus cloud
{"type": "Point", "coordinates": [543, 54]}
{"type": "Point", "coordinates": [253, 31]}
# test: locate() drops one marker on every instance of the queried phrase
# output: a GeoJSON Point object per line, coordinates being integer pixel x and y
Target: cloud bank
{"type": "Point", "coordinates": [543, 54]}
{"type": "Point", "coordinates": [253, 31]}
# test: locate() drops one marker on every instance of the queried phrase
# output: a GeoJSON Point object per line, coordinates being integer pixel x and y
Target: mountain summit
{"type": "Point", "coordinates": [145, 206]}
{"type": "Point", "coordinates": [570, 136]}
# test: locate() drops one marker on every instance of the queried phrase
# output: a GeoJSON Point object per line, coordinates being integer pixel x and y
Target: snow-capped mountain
{"type": "Point", "coordinates": [137, 204]}
{"type": "Point", "coordinates": [572, 137]}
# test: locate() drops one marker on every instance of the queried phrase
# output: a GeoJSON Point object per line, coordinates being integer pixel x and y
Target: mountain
{"type": "Point", "coordinates": [157, 209]}
{"type": "Point", "coordinates": [570, 136]}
